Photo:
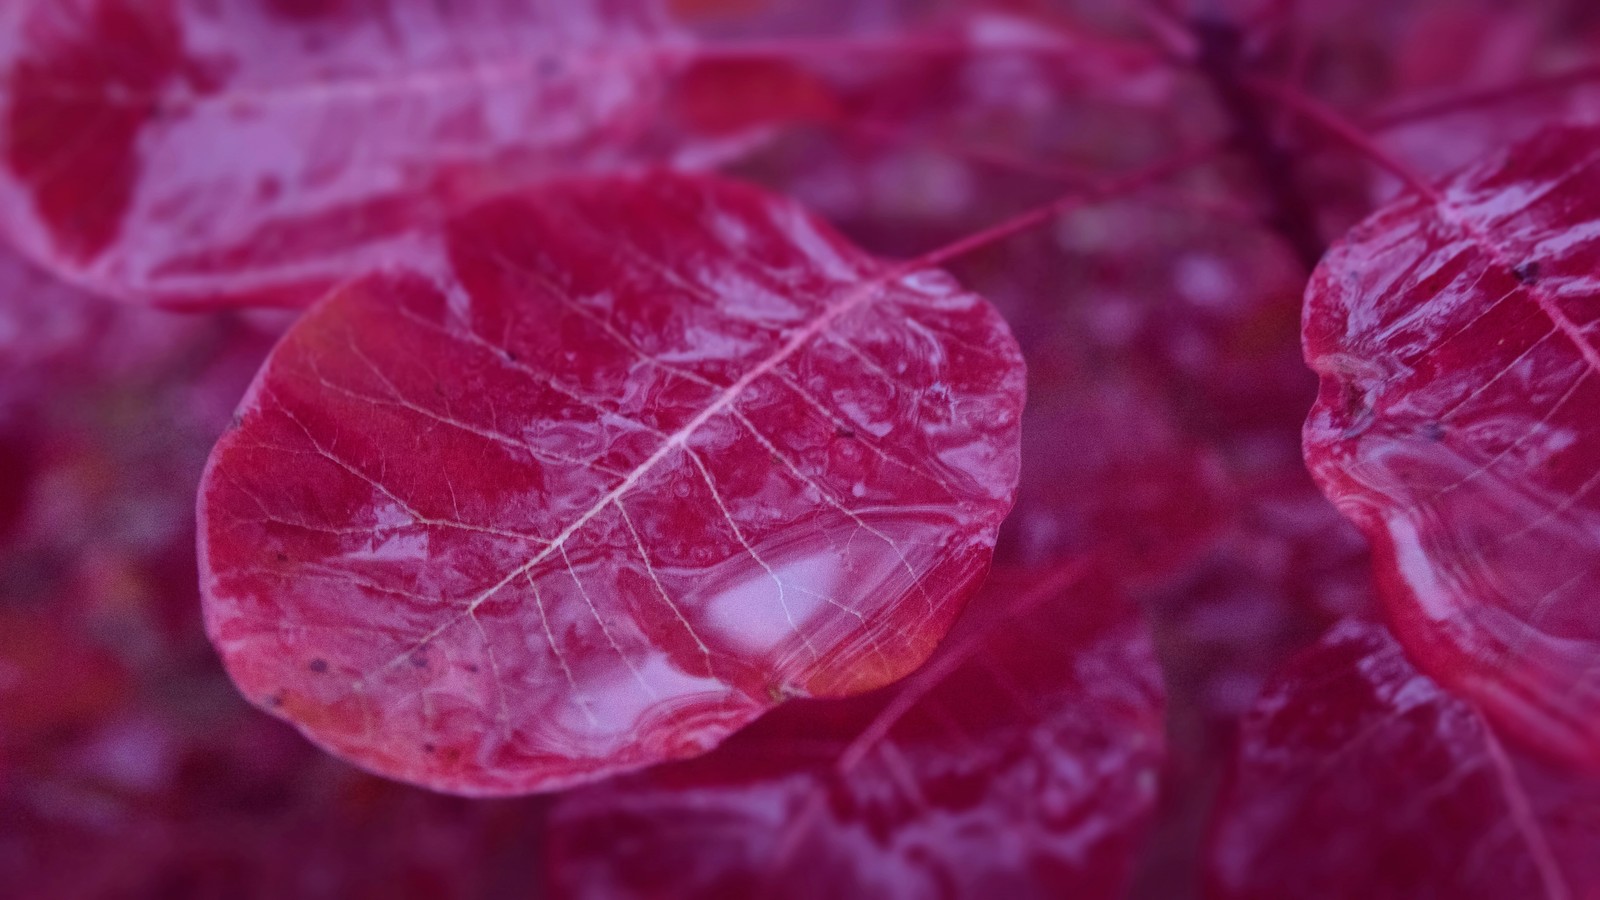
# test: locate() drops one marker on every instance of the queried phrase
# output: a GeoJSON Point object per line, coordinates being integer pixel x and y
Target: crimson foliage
{"type": "Point", "coordinates": [1459, 377]}
{"type": "Point", "coordinates": [576, 431]}
{"type": "Point", "coordinates": [646, 458]}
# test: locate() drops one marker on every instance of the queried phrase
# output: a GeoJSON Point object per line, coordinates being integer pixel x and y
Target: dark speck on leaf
{"type": "Point", "coordinates": [282, 556]}
{"type": "Point", "coordinates": [846, 433]}
{"type": "Point", "coordinates": [1527, 273]}
{"type": "Point", "coordinates": [418, 660]}
{"type": "Point", "coordinates": [1433, 431]}
{"type": "Point", "coordinates": [275, 701]}
{"type": "Point", "coordinates": [429, 748]}
{"type": "Point", "coordinates": [1357, 410]}
{"type": "Point", "coordinates": [318, 666]}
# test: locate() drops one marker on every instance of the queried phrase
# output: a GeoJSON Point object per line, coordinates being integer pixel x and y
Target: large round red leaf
{"type": "Point", "coordinates": [1457, 425]}
{"type": "Point", "coordinates": [641, 459]}
{"type": "Point", "coordinates": [1021, 763]}
{"type": "Point", "coordinates": [1357, 776]}
{"type": "Point", "coordinates": [191, 152]}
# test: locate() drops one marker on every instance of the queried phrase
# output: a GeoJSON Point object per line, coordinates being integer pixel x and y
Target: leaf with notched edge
{"type": "Point", "coordinates": [194, 153]}
{"type": "Point", "coordinates": [1456, 341]}
{"type": "Point", "coordinates": [1020, 763]}
{"type": "Point", "coordinates": [643, 458]}
{"type": "Point", "coordinates": [1357, 776]}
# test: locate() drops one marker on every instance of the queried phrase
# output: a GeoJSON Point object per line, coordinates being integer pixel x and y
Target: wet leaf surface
{"type": "Point", "coordinates": [644, 458]}
{"type": "Point", "coordinates": [1455, 341]}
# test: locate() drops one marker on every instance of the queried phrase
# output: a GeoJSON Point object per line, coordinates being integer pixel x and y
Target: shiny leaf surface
{"type": "Point", "coordinates": [1357, 776]}
{"type": "Point", "coordinates": [642, 458]}
{"type": "Point", "coordinates": [1020, 762]}
{"type": "Point", "coordinates": [1455, 424]}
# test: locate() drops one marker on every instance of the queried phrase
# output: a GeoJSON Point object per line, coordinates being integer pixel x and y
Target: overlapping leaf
{"type": "Point", "coordinates": [1455, 336]}
{"type": "Point", "coordinates": [641, 459]}
{"type": "Point", "coordinates": [1357, 776]}
{"type": "Point", "coordinates": [1020, 763]}
{"type": "Point", "coordinates": [198, 153]}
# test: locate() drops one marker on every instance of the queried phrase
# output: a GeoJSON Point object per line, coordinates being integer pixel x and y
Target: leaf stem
{"type": "Point", "coordinates": [1469, 101]}
{"type": "Point", "coordinates": [1127, 184]}
{"type": "Point", "coordinates": [1222, 63]}
{"type": "Point", "coordinates": [1074, 176]}
{"type": "Point", "coordinates": [1320, 115]}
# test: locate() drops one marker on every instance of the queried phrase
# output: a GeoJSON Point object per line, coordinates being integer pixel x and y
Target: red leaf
{"type": "Point", "coordinates": [646, 457]}
{"type": "Point", "coordinates": [195, 153]}
{"type": "Point", "coordinates": [1359, 777]}
{"type": "Point", "coordinates": [1455, 425]}
{"type": "Point", "coordinates": [1020, 763]}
